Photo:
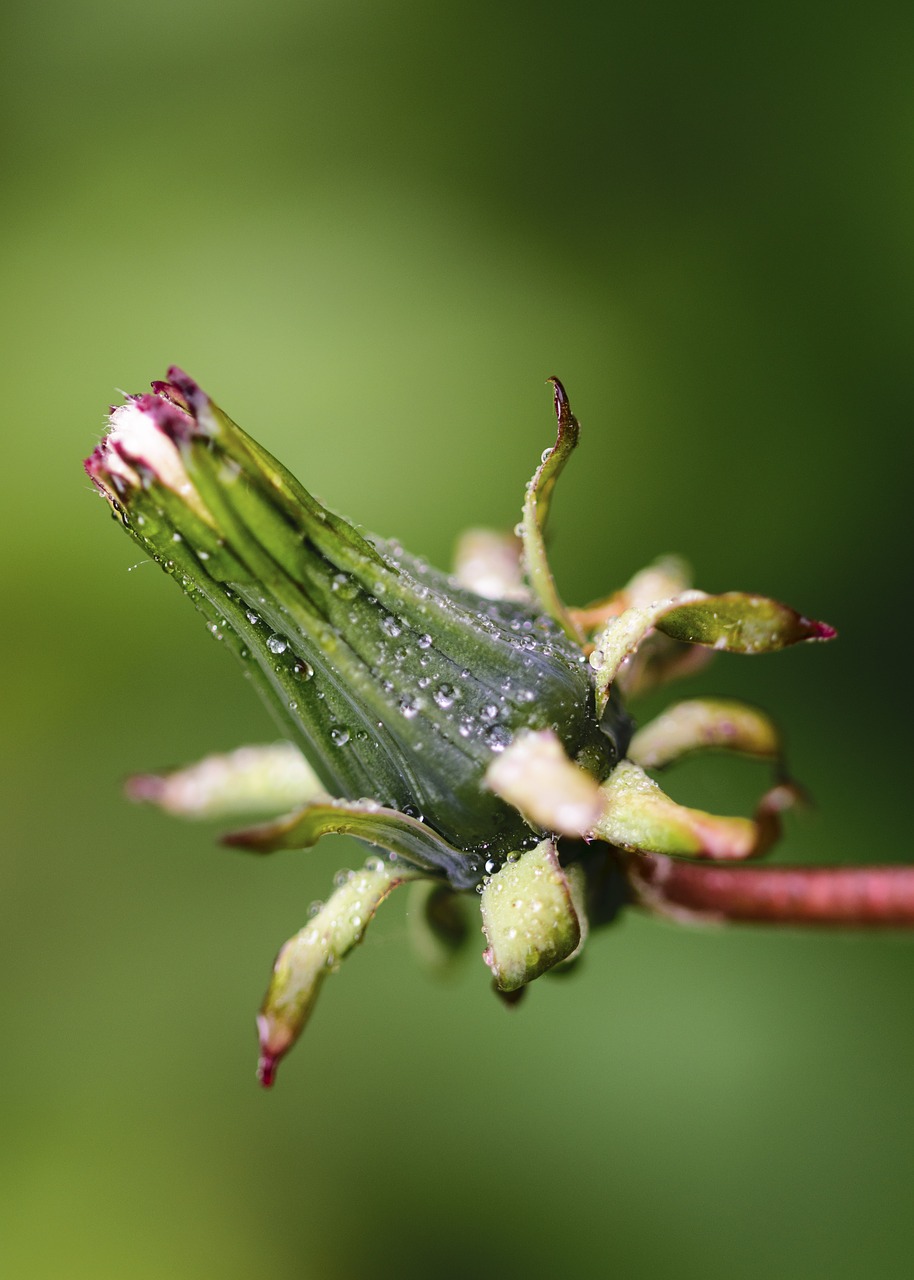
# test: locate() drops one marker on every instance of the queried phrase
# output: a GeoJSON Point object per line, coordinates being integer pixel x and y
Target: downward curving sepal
{"type": "Point", "coordinates": [705, 724]}
{"type": "Point", "coordinates": [248, 780]}
{"type": "Point", "coordinates": [639, 815]}
{"type": "Point", "coordinates": [528, 917]}
{"type": "Point", "coordinates": [402, 836]}
{"type": "Point", "coordinates": [551, 791]}
{"type": "Point", "coordinates": [316, 951]}
{"type": "Point", "coordinates": [733, 622]}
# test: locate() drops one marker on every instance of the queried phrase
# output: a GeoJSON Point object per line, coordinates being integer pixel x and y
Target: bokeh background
{"type": "Point", "coordinates": [372, 231]}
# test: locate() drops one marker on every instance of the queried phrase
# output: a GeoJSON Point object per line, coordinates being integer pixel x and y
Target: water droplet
{"type": "Point", "coordinates": [343, 876]}
{"type": "Point", "coordinates": [489, 711]}
{"type": "Point", "coordinates": [390, 625]}
{"type": "Point", "coordinates": [374, 864]}
{"type": "Point", "coordinates": [496, 737]}
{"type": "Point", "coordinates": [546, 455]}
{"type": "Point", "coordinates": [252, 617]}
{"type": "Point", "coordinates": [424, 642]}
{"type": "Point", "coordinates": [302, 670]}
{"type": "Point", "coordinates": [445, 694]}
{"type": "Point", "coordinates": [277, 644]}
{"type": "Point", "coordinates": [491, 865]}
{"type": "Point", "coordinates": [315, 907]}
{"type": "Point", "coordinates": [409, 707]}
{"type": "Point", "coordinates": [339, 736]}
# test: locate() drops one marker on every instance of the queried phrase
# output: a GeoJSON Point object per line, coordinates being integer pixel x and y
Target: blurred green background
{"type": "Point", "coordinates": [372, 231]}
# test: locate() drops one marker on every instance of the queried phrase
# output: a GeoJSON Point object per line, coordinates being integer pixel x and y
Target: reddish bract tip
{"type": "Point", "coordinates": [266, 1069]}
{"type": "Point", "coordinates": [560, 398]}
{"type": "Point", "coordinates": [187, 389]}
{"type": "Point", "coordinates": [822, 631]}
{"type": "Point", "coordinates": [168, 391]}
{"type": "Point", "coordinates": [144, 788]}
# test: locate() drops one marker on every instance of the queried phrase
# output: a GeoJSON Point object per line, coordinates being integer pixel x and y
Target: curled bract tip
{"type": "Point", "coordinates": [274, 1044]}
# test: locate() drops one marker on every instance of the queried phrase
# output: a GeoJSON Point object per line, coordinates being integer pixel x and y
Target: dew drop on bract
{"type": "Point", "coordinates": [496, 737]}
{"type": "Point", "coordinates": [444, 695]}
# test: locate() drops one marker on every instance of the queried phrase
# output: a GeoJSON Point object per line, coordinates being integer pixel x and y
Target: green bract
{"type": "Point", "coordinates": [471, 728]}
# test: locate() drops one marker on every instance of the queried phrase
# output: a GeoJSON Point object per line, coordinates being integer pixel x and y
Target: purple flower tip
{"type": "Point", "coordinates": [190, 392]}
{"type": "Point", "coordinates": [174, 422]}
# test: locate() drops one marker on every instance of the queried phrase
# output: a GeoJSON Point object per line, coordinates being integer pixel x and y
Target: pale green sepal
{"type": "Point", "coordinates": [704, 724]}
{"type": "Point", "coordinates": [315, 951]}
{"type": "Point", "coordinates": [552, 792]}
{"type": "Point", "coordinates": [402, 836]}
{"type": "Point", "coordinates": [536, 512]}
{"type": "Point", "coordinates": [255, 779]}
{"type": "Point", "coordinates": [733, 622]}
{"type": "Point", "coordinates": [437, 920]}
{"type": "Point", "coordinates": [639, 815]}
{"type": "Point", "coordinates": [489, 562]}
{"type": "Point", "coordinates": [528, 918]}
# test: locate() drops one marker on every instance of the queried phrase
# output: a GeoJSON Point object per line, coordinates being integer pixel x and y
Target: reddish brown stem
{"type": "Point", "coordinates": [840, 897]}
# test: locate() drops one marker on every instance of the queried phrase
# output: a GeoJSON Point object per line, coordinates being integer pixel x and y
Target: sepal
{"type": "Point", "coordinates": [256, 779]}
{"type": "Point", "coordinates": [399, 834]}
{"type": "Point", "coordinates": [316, 951]}
{"type": "Point", "coordinates": [705, 724]}
{"type": "Point", "coordinates": [639, 815]}
{"type": "Point", "coordinates": [733, 622]}
{"type": "Point", "coordinates": [528, 917]}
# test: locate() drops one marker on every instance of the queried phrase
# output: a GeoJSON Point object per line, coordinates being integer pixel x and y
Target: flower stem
{"type": "Point", "coordinates": [862, 897]}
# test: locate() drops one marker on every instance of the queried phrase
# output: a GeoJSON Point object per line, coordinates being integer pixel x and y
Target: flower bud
{"type": "Point", "coordinates": [397, 684]}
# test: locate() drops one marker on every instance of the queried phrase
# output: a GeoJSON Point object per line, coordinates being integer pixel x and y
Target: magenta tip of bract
{"type": "Point", "coordinates": [188, 389]}
{"type": "Point", "coordinates": [168, 391]}
{"type": "Point", "coordinates": [174, 422]}
{"type": "Point", "coordinates": [144, 788]}
{"type": "Point", "coordinates": [822, 631]}
{"type": "Point", "coordinates": [95, 466]}
{"type": "Point", "coordinates": [266, 1069]}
